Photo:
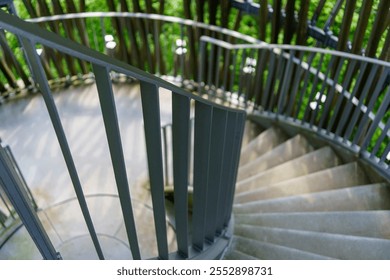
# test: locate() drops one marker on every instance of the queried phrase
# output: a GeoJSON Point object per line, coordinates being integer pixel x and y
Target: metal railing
{"type": "Point", "coordinates": [217, 139]}
{"type": "Point", "coordinates": [342, 97]}
{"type": "Point", "coordinates": [162, 45]}
{"type": "Point", "coordinates": [9, 219]}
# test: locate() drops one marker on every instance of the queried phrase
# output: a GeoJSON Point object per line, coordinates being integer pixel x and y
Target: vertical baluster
{"type": "Point", "coordinates": [39, 75]}
{"type": "Point", "coordinates": [269, 84]}
{"type": "Point", "coordinates": [210, 68]}
{"type": "Point", "coordinates": [241, 78]}
{"type": "Point", "coordinates": [378, 118]}
{"type": "Point", "coordinates": [107, 105]}
{"type": "Point", "coordinates": [329, 99]}
{"type": "Point", "coordinates": [276, 81]}
{"type": "Point", "coordinates": [226, 71]}
{"type": "Point", "coordinates": [314, 88]}
{"type": "Point", "coordinates": [152, 123]}
{"type": "Point", "coordinates": [236, 151]}
{"type": "Point", "coordinates": [226, 167]}
{"type": "Point", "coordinates": [218, 129]}
{"type": "Point", "coordinates": [385, 154]}
{"type": "Point", "coordinates": [381, 139]}
{"type": "Point", "coordinates": [233, 72]}
{"type": "Point", "coordinates": [259, 76]}
{"type": "Point", "coordinates": [364, 122]}
{"type": "Point", "coordinates": [181, 144]}
{"type": "Point", "coordinates": [157, 48]}
{"type": "Point", "coordinates": [298, 71]}
{"type": "Point", "coordinates": [202, 66]}
{"type": "Point", "coordinates": [310, 58]}
{"type": "Point", "coordinates": [320, 94]}
{"type": "Point", "coordinates": [348, 107]}
{"type": "Point", "coordinates": [203, 119]}
{"type": "Point", "coordinates": [21, 203]}
{"type": "Point", "coordinates": [358, 108]}
{"type": "Point", "coordinates": [217, 69]}
{"type": "Point", "coordinates": [286, 83]}
{"type": "Point", "coordinates": [341, 97]}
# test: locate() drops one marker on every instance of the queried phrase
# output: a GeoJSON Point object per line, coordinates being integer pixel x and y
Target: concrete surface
{"type": "Point", "coordinates": [25, 126]}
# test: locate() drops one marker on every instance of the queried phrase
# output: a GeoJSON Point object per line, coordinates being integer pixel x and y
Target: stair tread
{"type": "Point", "coordinates": [312, 162]}
{"type": "Point", "coordinates": [238, 255]}
{"type": "Point", "coordinates": [375, 224]}
{"type": "Point", "coordinates": [288, 150]}
{"type": "Point", "coordinates": [327, 244]}
{"type": "Point", "coordinates": [357, 198]}
{"type": "Point", "coordinates": [267, 140]}
{"type": "Point", "coordinates": [342, 176]}
{"type": "Point", "coordinates": [268, 251]}
{"type": "Point", "coordinates": [251, 131]}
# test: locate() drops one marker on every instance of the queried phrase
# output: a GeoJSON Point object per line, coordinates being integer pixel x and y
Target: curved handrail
{"type": "Point", "coordinates": [213, 124]}
{"type": "Point", "coordinates": [171, 19]}
{"type": "Point", "coordinates": [339, 96]}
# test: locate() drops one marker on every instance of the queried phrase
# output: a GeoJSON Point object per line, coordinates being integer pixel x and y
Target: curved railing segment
{"type": "Point", "coordinates": [342, 97]}
{"type": "Point", "coordinates": [217, 139]}
{"type": "Point", "coordinates": [162, 45]}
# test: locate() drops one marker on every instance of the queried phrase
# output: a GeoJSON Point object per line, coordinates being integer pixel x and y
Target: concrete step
{"type": "Point", "coordinates": [374, 224]}
{"type": "Point", "coordinates": [291, 149]}
{"type": "Point", "coordinates": [263, 143]}
{"type": "Point", "coordinates": [359, 198]}
{"type": "Point", "coordinates": [237, 255]}
{"type": "Point", "coordinates": [312, 162]}
{"type": "Point", "coordinates": [268, 251]}
{"type": "Point", "coordinates": [331, 245]}
{"type": "Point", "coordinates": [342, 176]}
{"type": "Point", "coordinates": [251, 131]}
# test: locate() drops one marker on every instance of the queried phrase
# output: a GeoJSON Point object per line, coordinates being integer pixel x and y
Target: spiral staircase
{"type": "Point", "coordinates": [301, 190]}
{"type": "Point", "coordinates": [296, 199]}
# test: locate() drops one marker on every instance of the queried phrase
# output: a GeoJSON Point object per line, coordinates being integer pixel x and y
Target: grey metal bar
{"type": "Point", "coordinates": [39, 75]}
{"type": "Point", "coordinates": [269, 86]}
{"type": "Point", "coordinates": [347, 109]}
{"type": "Point", "coordinates": [217, 150]}
{"type": "Point", "coordinates": [152, 124]}
{"type": "Point", "coordinates": [18, 171]}
{"type": "Point", "coordinates": [314, 88]}
{"type": "Point", "coordinates": [16, 193]}
{"type": "Point", "coordinates": [157, 46]}
{"type": "Point", "coordinates": [217, 69]}
{"type": "Point", "coordinates": [202, 62]}
{"type": "Point", "coordinates": [107, 105]}
{"type": "Point", "coordinates": [276, 84]}
{"type": "Point", "coordinates": [181, 148]}
{"type": "Point", "coordinates": [304, 88]}
{"type": "Point", "coordinates": [6, 204]}
{"type": "Point", "coordinates": [242, 74]}
{"type": "Point", "coordinates": [259, 77]}
{"type": "Point", "coordinates": [286, 83]}
{"type": "Point", "coordinates": [373, 99]}
{"type": "Point", "coordinates": [358, 108]}
{"type": "Point", "coordinates": [341, 96]}
{"type": "Point", "coordinates": [379, 115]}
{"type": "Point", "coordinates": [203, 117]}
{"type": "Point", "coordinates": [331, 93]}
{"type": "Point", "coordinates": [321, 92]}
{"type": "Point", "coordinates": [296, 83]}
{"type": "Point", "coordinates": [227, 163]}
{"type": "Point", "coordinates": [233, 72]}
{"type": "Point", "coordinates": [385, 154]}
{"type": "Point", "coordinates": [226, 70]}
{"type": "Point", "coordinates": [210, 69]}
{"type": "Point", "coordinates": [236, 151]}
{"type": "Point", "coordinates": [380, 140]}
